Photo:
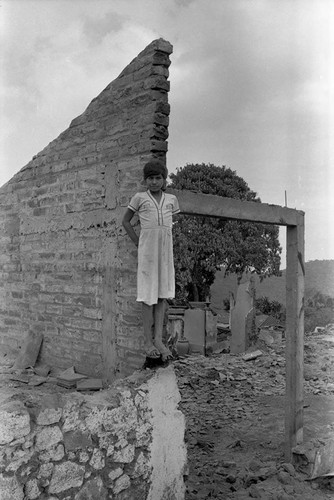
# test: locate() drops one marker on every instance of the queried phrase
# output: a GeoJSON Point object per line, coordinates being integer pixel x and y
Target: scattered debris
{"type": "Point", "coordinates": [24, 379]}
{"type": "Point", "coordinates": [252, 355]}
{"type": "Point", "coordinates": [235, 415]}
{"type": "Point", "coordinates": [324, 461]}
{"type": "Point", "coordinates": [69, 378]}
{"type": "Point", "coordinates": [36, 380]}
{"type": "Point", "coordinates": [89, 384]}
{"type": "Point", "coordinates": [42, 369]}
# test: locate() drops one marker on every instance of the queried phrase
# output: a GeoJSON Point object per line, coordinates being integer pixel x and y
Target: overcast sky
{"type": "Point", "coordinates": [252, 87]}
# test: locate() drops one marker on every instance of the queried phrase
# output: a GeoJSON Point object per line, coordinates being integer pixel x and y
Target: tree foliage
{"type": "Point", "coordinates": [203, 244]}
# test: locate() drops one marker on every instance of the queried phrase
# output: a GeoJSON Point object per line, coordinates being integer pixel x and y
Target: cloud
{"type": "Point", "coordinates": [95, 30]}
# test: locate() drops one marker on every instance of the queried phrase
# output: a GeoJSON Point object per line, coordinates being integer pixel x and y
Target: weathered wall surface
{"type": "Point", "coordinates": [124, 443]}
{"type": "Point", "coordinates": [66, 267]}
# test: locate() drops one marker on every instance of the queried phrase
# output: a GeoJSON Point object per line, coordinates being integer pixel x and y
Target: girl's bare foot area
{"type": "Point", "coordinates": [164, 351]}
{"type": "Point", "coordinates": [151, 351]}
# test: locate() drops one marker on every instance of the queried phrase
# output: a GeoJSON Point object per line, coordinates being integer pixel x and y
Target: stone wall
{"type": "Point", "coordinates": [125, 443]}
{"type": "Point", "coordinates": [67, 269]}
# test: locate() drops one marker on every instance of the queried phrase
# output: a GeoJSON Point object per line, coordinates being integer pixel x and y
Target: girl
{"type": "Point", "coordinates": [155, 275]}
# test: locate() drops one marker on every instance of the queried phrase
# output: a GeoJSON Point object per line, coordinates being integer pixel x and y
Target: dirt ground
{"type": "Point", "coordinates": [235, 423]}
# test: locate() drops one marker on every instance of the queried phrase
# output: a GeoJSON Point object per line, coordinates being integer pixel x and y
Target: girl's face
{"type": "Point", "coordinates": [155, 182]}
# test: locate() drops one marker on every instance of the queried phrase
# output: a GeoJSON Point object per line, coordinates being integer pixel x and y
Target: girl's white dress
{"type": "Point", "coordinates": [155, 276]}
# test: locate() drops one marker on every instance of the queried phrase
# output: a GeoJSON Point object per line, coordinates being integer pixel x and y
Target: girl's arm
{"type": "Point", "coordinates": [128, 226]}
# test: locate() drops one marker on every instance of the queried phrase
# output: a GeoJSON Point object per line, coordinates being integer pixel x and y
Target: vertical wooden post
{"type": "Point", "coordinates": [295, 272]}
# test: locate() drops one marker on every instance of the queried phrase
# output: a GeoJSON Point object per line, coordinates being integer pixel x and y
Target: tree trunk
{"type": "Point", "coordinates": [195, 292]}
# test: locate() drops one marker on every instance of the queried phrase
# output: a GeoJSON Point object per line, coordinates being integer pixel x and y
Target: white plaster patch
{"type": "Point", "coordinates": [168, 449]}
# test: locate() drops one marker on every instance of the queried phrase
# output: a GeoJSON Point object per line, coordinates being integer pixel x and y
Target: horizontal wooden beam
{"type": "Point", "coordinates": [228, 208]}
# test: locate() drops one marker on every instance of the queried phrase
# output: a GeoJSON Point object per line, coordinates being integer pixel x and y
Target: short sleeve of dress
{"type": "Point", "coordinates": [176, 208]}
{"type": "Point", "coordinates": [134, 203]}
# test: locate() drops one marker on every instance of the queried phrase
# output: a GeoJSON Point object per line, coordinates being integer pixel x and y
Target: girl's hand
{"type": "Point", "coordinates": [128, 226]}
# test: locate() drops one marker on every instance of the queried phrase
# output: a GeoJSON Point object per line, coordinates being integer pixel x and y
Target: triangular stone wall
{"type": "Point", "coordinates": [67, 269]}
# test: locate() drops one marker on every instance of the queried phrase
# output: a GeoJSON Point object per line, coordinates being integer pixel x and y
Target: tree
{"type": "Point", "coordinates": [203, 244]}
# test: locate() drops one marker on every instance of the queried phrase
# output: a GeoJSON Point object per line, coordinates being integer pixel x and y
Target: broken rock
{"type": "Point", "coordinates": [65, 476]}
{"type": "Point", "coordinates": [15, 421]}
{"type": "Point", "coordinates": [89, 384]}
{"type": "Point", "coordinates": [92, 490]}
{"type": "Point", "coordinates": [252, 355]}
{"type": "Point", "coordinates": [10, 489]}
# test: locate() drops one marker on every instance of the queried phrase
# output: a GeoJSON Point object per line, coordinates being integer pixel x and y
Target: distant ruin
{"type": "Point", "coordinates": [66, 267]}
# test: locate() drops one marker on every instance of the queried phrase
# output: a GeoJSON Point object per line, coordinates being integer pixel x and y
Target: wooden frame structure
{"type": "Point", "coordinates": [216, 206]}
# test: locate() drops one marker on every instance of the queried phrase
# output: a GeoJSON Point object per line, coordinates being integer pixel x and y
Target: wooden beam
{"type": "Point", "coordinates": [228, 208]}
{"type": "Point", "coordinates": [294, 356]}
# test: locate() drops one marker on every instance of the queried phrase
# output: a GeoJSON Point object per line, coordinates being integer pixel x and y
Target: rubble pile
{"type": "Point", "coordinates": [234, 407]}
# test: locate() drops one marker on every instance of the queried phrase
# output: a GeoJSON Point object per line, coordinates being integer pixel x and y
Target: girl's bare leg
{"type": "Point", "coordinates": [148, 320]}
{"type": "Point", "coordinates": [159, 315]}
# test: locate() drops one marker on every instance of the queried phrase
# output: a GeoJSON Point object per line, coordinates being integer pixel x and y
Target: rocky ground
{"type": "Point", "coordinates": [235, 423]}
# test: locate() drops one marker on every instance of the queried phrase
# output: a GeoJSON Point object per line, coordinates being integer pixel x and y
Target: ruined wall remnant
{"type": "Point", "coordinates": [66, 267]}
{"type": "Point", "coordinates": [243, 327]}
{"type": "Point", "coordinates": [124, 443]}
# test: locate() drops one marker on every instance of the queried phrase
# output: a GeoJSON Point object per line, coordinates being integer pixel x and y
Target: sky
{"type": "Point", "coordinates": [252, 87]}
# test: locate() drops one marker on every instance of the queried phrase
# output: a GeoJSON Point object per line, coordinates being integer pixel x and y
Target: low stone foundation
{"type": "Point", "coordinates": [123, 443]}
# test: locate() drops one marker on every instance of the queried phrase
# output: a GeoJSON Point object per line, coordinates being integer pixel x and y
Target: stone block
{"type": "Point", "coordinates": [125, 455]}
{"type": "Point", "coordinates": [97, 461]}
{"type": "Point", "coordinates": [142, 467]}
{"type": "Point", "coordinates": [18, 458]}
{"type": "Point", "coordinates": [45, 470]}
{"type": "Point", "coordinates": [10, 488]}
{"type": "Point", "coordinates": [194, 329]}
{"type": "Point", "coordinates": [92, 490]}
{"type": "Point", "coordinates": [32, 490]}
{"type": "Point", "coordinates": [54, 453]}
{"type": "Point", "coordinates": [48, 437]}
{"type": "Point", "coordinates": [122, 483]}
{"type": "Point", "coordinates": [15, 421]}
{"type": "Point", "coordinates": [77, 440]}
{"type": "Point", "coordinates": [114, 474]}
{"type": "Point", "coordinates": [50, 412]}
{"type": "Point", "coordinates": [65, 476]}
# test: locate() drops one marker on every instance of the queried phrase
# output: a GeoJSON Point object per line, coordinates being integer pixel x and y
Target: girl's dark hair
{"type": "Point", "coordinates": [155, 167]}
